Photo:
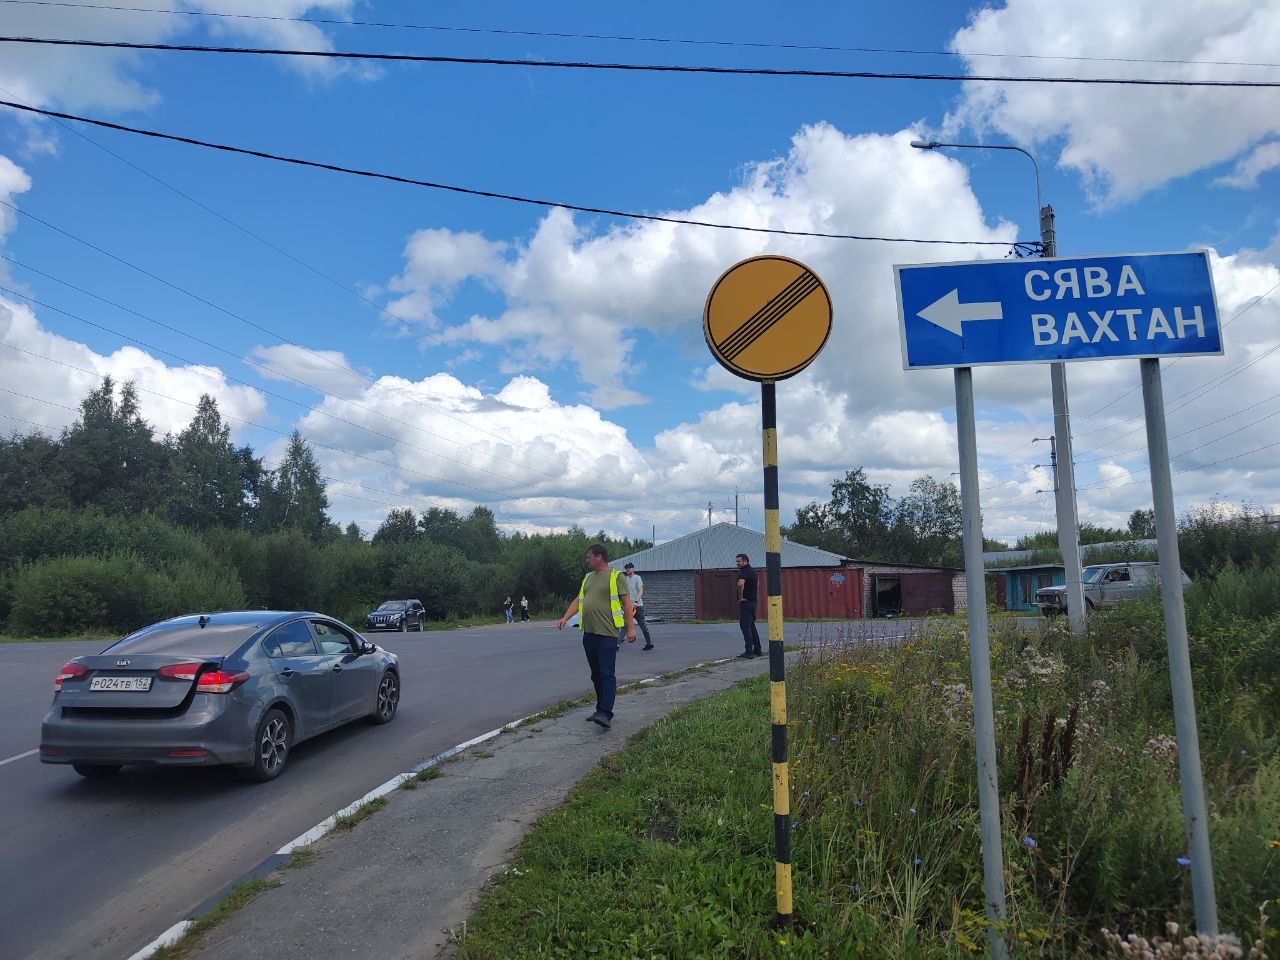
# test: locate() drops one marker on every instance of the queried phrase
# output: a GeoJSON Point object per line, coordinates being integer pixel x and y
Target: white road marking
{"type": "Point", "coordinates": [19, 757]}
{"type": "Point", "coordinates": [324, 826]}
{"type": "Point", "coordinates": [172, 935]}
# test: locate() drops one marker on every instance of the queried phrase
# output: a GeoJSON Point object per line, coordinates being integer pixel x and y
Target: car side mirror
{"type": "Point", "coordinates": [367, 646]}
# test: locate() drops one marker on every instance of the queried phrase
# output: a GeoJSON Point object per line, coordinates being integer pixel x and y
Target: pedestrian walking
{"type": "Point", "coordinates": [603, 607]}
{"type": "Point", "coordinates": [524, 609]}
{"type": "Point", "coordinates": [747, 607]}
{"type": "Point", "coordinates": [506, 606]}
{"type": "Point", "coordinates": [635, 587]}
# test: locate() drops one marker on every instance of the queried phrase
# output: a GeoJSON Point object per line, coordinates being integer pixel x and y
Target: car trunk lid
{"type": "Point", "coordinates": [137, 681]}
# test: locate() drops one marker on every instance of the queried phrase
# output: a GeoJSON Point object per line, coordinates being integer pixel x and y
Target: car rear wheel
{"type": "Point", "coordinates": [96, 771]}
{"type": "Point", "coordinates": [270, 747]}
{"type": "Point", "coordinates": [384, 710]}
{"type": "Point", "coordinates": [1088, 605]}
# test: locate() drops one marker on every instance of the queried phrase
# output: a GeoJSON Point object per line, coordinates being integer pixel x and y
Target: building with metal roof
{"type": "Point", "coordinates": [714, 548]}
{"type": "Point", "coordinates": [695, 578]}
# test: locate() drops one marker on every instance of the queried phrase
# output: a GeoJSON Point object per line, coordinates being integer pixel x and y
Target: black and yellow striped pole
{"type": "Point", "coordinates": [777, 663]}
{"type": "Point", "coordinates": [766, 319]}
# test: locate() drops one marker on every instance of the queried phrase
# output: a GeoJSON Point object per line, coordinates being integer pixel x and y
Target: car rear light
{"type": "Point", "coordinates": [220, 681]}
{"type": "Point", "coordinates": [180, 671]}
{"type": "Point", "coordinates": [188, 753]}
{"type": "Point", "coordinates": [69, 671]}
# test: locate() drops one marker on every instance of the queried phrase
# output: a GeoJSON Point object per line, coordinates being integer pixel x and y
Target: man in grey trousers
{"type": "Point", "coordinates": [635, 587]}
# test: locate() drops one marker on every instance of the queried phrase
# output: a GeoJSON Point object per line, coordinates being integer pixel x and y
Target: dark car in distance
{"type": "Point", "coordinates": [399, 615]}
{"type": "Point", "coordinates": [223, 688]}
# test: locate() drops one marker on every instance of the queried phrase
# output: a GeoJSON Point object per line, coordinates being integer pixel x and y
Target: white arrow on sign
{"type": "Point", "coordinates": [949, 313]}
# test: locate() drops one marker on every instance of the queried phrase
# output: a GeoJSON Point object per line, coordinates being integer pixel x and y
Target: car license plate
{"type": "Point", "coordinates": [121, 684]}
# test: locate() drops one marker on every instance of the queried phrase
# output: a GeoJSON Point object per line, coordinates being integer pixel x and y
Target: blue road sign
{"type": "Point", "coordinates": [1038, 311]}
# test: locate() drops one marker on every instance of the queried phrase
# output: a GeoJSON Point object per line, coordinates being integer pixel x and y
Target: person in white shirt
{"type": "Point", "coordinates": [524, 609]}
{"type": "Point", "coordinates": [635, 587]}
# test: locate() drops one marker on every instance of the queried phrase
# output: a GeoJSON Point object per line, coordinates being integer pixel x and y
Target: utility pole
{"type": "Point", "coordinates": [735, 506]}
{"type": "Point", "coordinates": [710, 508]}
{"type": "Point", "coordinates": [1065, 475]}
{"type": "Point", "coordinates": [1064, 469]}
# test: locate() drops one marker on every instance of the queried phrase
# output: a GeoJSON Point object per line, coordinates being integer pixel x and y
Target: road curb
{"type": "Point", "coordinates": [281, 856]}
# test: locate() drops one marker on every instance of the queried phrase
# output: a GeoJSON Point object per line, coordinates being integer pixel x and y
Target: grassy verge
{"type": "Point", "coordinates": [241, 895]}
{"type": "Point", "coordinates": [665, 850]}
{"type": "Point", "coordinates": [103, 638]}
{"type": "Point", "coordinates": [363, 812]}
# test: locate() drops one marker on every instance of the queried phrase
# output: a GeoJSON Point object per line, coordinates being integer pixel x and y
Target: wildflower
{"type": "Point", "coordinates": [1274, 845]}
{"type": "Point", "coordinates": [782, 941]}
{"type": "Point", "coordinates": [858, 804]}
{"type": "Point", "coordinates": [1030, 842]}
{"type": "Point", "coordinates": [918, 861]}
{"type": "Point", "coordinates": [912, 811]}
{"type": "Point", "coordinates": [1183, 861]}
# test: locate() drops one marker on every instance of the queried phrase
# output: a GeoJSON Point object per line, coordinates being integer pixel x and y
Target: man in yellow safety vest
{"type": "Point", "coordinates": [604, 608]}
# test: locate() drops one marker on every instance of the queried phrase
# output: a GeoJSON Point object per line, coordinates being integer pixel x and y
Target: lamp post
{"type": "Point", "coordinates": [1068, 517]}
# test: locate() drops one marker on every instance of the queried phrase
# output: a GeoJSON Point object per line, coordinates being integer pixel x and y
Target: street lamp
{"type": "Point", "coordinates": [934, 145]}
{"type": "Point", "coordinates": [1068, 517]}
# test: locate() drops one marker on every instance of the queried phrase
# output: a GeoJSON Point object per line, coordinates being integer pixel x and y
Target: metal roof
{"type": "Point", "coordinates": [713, 548]}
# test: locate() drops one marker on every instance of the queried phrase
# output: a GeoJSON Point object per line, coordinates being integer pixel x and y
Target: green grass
{"type": "Point", "coordinates": [194, 936]}
{"type": "Point", "coordinates": [103, 638]}
{"type": "Point", "coordinates": [422, 776]}
{"type": "Point", "coordinates": [363, 812]}
{"type": "Point", "coordinates": [302, 857]}
{"type": "Point", "coordinates": [665, 849]}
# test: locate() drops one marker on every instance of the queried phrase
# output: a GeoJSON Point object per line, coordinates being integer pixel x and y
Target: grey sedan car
{"type": "Point", "coordinates": [222, 688]}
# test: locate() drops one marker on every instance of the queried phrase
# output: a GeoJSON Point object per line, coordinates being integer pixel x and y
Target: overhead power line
{"type": "Point", "coordinates": [377, 384]}
{"type": "Point", "coordinates": [431, 335]}
{"type": "Point", "coordinates": [557, 35]}
{"type": "Point", "coordinates": [627, 67]}
{"type": "Point", "coordinates": [470, 191]}
{"type": "Point", "coordinates": [400, 497]}
{"type": "Point", "coordinates": [1238, 314]}
{"type": "Point", "coordinates": [268, 371]}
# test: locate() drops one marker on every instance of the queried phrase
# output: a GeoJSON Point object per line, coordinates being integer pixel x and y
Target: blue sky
{"type": "Point", "coordinates": [598, 320]}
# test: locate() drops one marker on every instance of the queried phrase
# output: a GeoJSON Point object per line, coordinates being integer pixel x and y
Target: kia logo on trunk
{"type": "Point", "coordinates": [122, 663]}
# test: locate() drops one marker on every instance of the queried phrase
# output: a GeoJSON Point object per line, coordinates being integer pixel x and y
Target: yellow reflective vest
{"type": "Point", "coordinates": [615, 605]}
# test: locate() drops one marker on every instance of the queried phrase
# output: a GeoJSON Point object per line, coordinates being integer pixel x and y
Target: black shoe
{"type": "Point", "coordinates": [647, 646]}
{"type": "Point", "coordinates": [756, 653]}
{"type": "Point", "coordinates": [745, 655]}
{"type": "Point", "coordinates": [601, 719]}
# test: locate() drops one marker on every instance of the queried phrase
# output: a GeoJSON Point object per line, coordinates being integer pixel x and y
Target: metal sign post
{"type": "Point", "coordinates": [1194, 810]}
{"type": "Point", "coordinates": [766, 319]}
{"type": "Point", "coordinates": [984, 718]}
{"type": "Point", "coordinates": [1144, 306]}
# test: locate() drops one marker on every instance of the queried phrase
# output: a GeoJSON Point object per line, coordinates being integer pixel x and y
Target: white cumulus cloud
{"type": "Point", "coordinates": [1124, 140]}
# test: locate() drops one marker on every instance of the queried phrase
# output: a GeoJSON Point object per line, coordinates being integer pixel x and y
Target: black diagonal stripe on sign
{"type": "Point", "coordinates": [770, 314]}
{"type": "Point", "coordinates": [753, 325]}
{"type": "Point", "coordinates": [751, 331]}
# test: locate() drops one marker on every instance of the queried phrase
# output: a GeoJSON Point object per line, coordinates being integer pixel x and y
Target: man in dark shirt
{"type": "Point", "coordinates": [747, 607]}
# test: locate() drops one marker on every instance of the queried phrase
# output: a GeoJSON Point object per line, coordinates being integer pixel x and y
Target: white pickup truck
{"type": "Point", "coordinates": [1105, 585]}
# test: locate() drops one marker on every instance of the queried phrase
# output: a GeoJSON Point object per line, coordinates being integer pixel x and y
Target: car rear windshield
{"type": "Point", "coordinates": [394, 605]}
{"type": "Point", "coordinates": [187, 640]}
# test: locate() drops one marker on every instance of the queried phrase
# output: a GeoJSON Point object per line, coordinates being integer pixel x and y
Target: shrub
{"type": "Point", "coordinates": [72, 594]}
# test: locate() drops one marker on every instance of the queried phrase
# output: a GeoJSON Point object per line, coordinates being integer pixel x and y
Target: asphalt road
{"type": "Point", "coordinates": [99, 869]}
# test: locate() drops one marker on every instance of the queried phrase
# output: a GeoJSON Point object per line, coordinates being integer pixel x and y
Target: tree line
{"type": "Point", "coordinates": [863, 521]}
{"type": "Point", "coordinates": [109, 526]}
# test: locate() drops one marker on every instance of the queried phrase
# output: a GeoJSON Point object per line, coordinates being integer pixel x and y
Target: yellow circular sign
{"type": "Point", "coordinates": [767, 318]}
